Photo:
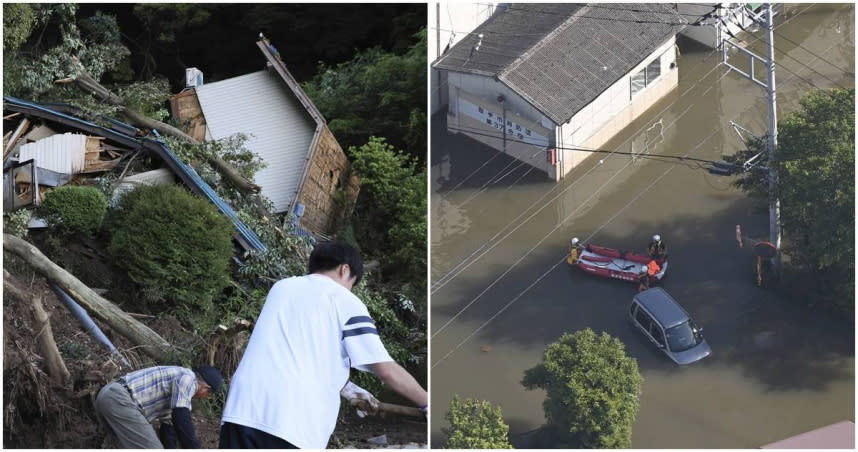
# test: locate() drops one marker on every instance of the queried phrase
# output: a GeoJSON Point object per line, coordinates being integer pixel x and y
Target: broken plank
{"type": "Point", "coordinates": [8, 117]}
{"type": "Point", "coordinates": [95, 166]}
{"type": "Point", "coordinates": [22, 126]}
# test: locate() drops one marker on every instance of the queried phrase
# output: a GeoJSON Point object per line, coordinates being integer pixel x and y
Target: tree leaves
{"type": "Point", "coordinates": [592, 390]}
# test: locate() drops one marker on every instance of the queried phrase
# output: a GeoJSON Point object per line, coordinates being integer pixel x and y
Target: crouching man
{"type": "Point", "coordinates": [130, 403]}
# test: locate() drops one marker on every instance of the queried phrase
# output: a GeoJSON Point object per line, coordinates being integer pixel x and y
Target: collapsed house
{"type": "Point", "coordinates": [307, 173]}
{"type": "Point", "coordinates": [45, 148]}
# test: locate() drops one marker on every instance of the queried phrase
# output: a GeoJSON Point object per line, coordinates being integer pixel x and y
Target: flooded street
{"type": "Point", "coordinates": [502, 290]}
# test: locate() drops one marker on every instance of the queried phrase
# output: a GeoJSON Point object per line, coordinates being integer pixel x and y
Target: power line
{"type": "Point", "coordinates": [612, 19]}
{"type": "Point", "coordinates": [447, 277]}
{"type": "Point", "coordinates": [814, 54]}
{"type": "Point", "coordinates": [517, 297]}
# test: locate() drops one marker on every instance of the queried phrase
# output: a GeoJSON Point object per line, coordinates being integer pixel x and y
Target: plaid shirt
{"type": "Point", "coordinates": [158, 390]}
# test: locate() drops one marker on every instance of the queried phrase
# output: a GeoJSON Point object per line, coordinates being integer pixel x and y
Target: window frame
{"type": "Point", "coordinates": [644, 72]}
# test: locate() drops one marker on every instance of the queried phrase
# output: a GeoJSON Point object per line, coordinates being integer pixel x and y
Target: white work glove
{"type": "Point", "coordinates": [360, 398]}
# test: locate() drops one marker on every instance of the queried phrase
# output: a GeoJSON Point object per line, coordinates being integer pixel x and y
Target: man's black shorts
{"type": "Point", "coordinates": [234, 436]}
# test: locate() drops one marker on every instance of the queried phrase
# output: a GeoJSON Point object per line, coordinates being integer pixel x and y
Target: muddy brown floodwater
{"type": "Point", "coordinates": [502, 291]}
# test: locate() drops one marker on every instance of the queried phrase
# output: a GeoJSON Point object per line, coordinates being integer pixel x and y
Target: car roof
{"type": "Point", "coordinates": [661, 305]}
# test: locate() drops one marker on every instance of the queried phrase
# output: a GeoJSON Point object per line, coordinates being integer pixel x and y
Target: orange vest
{"type": "Point", "coordinates": [653, 268]}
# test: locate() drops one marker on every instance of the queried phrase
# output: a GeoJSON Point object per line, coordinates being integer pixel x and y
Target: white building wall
{"type": "Point", "coordinates": [735, 16]}
{"type": "Point", "coordinates": [615, 109]}
{"type": "Point", "coordinates": [449, 22]}
{"type": "Point", "coordinates": [468, 90]}
{"type": "Point", "coordinates": [280, 129]}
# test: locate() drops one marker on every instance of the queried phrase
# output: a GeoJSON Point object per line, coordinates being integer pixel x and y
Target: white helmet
{"type": "Point", "coordinates": [656, 237]}
{"type": "Point", "coordinates": [644, 268]}
{"type": "Point", "coordinates": [574, 241]}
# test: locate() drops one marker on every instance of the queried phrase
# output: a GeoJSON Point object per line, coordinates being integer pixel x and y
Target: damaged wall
{"type": "Point", "coordinates": [186, 108]}
{"type": "Point", "coordinates": [330, 189]}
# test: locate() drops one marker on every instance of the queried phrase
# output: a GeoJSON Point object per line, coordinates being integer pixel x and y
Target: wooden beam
{"type": "Point", "coordinates": [53, 359]}
{"type": "Point", "coordinates": [139, 334]}
{"type": "Point", "coordinates": [19, 132]}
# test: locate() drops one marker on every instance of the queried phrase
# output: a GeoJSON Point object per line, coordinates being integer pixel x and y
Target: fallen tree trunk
{"type": "Point", "coordinates": [138, 333]}
{"type": "Point", "coordinates": [87, 83]}
{"type": "Point", "coordinates": [53, 359]}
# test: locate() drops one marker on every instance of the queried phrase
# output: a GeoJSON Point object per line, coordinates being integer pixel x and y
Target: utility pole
{"type": "Point", "coordinates": [774, 201]}
{"type": "Point", "coordinates": [772, 142]}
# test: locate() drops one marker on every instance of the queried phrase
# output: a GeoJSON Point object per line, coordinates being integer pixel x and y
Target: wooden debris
{"type": "Point", "coordinates": [57, 369]}
{"type": "Point", "coordinates": [139, 334]}
{"type": "Point", "coordinates": [19, 132]}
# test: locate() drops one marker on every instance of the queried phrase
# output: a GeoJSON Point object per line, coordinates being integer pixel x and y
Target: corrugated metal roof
{"type": "Point", "coordinates": [560, 57]}
{"type": "Point", "coordinates": [63, 153]}
{"type": "Point", "coordinates": [261, 105]}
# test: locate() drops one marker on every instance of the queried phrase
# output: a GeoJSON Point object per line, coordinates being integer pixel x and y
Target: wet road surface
{"type": "Point", "coordinates": [502, 290]}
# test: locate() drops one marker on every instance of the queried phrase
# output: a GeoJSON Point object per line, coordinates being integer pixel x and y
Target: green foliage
{"type": "Point", "coordinates": [816, 187]}
{"type": "Point", "coordinates": [475, 424]}
{"type": "Point", "coordinates": [18, 22]}
{"type": "Point", "coordinates": [149, 97]}
{"type": "Point", "coordinates": [15, 223]}
{"type": "Point", "coordinates": [593, 391]}
{"type": "Point", "coordinates": [167, 19]}
{"type": "Point", "coordinates": [92, 43]}
{"type": "Point", "coordinates": [376, 93]}
{"type": "Point", "coordinates": [73, 209]}
{"type": "Point", "coordinates": [176, 246]}
{"type": "Point", "coordinates": [390, 213]}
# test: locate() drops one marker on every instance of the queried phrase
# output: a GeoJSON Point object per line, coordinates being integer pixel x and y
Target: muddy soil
{"type": "Point", "coordinates": [40, 414]}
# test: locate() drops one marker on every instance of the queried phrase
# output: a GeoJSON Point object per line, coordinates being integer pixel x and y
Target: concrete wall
{"type": "Point", "coordinates": [615, 109]}
{"type": "Point", "coordinates": [330, 189]}
{"type": "Point", "coordinates": [469, 92]}
{"type": "Point", "coordinates": [735, 16]}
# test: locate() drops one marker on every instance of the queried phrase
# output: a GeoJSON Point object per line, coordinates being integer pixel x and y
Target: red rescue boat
{"type": "Point", "coordinates": [617, 264]}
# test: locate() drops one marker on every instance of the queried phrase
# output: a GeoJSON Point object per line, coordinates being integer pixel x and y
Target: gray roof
{"type": "Point", "coordinates": [660, 304]}
{"type": "Point", "coordinates": [561, 56]}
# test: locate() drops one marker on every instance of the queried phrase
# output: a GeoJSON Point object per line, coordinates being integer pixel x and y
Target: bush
{"type": "Point", "coordinates": [475, 424]}
{"type": "Point", "coordinates": [74, 209]}
{"type": "Point", "coordinates": [593, 391]}
{"type": "Point", "coordinates": [176, 246]}
{"type": "Point", "coordinates": [15, 223]}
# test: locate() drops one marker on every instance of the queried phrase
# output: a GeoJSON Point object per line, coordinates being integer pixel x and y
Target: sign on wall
{"type": "Point", "coordinates": [493, 117]}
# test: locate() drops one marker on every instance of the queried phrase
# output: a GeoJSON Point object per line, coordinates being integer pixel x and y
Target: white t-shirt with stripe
{"type": "Point", "coordinates": [310, 331]}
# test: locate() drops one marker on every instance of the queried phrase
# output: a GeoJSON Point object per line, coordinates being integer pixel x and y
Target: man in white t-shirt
{"type": "Point", "coordinates": [311, 331]}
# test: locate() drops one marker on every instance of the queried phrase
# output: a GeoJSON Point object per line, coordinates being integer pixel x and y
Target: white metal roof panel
{"type": "Point", "coordinates": [64, 153]}
{"type": "Point", "coordinates": [279, 128]}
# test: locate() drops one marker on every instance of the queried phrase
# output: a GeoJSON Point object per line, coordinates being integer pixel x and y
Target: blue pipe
{"type": "Point", "coordinates": [88, 324]}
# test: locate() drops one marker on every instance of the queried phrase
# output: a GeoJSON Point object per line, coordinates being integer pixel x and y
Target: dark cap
{"type": "Point", "coordinates": [211, 376]}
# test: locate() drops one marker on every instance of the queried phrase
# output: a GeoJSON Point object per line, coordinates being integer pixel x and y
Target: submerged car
{"type": "Point", "coordinates": [668, 326]}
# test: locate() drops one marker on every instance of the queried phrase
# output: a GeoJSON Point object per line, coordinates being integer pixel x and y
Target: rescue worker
{"type": "Point", "coordinates": [575, 251]}
{"type": "Point", "coordinates": [657, 248]}
{"type": "Point", "coordinates": [643, 279]}
{"type": "Point", "coordinates": [653, 268]}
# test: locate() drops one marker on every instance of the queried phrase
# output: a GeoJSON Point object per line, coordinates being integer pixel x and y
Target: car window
{"type": "Point", "coordinates": [643, 319]}
{"type": "Point", "coordinates": [656, 333]}
{"type": "Point", "coordinates": [681, 337]}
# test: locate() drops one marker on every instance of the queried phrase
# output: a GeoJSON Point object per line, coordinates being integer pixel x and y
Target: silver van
{"type": "Point", "coordinates": [668, 326]}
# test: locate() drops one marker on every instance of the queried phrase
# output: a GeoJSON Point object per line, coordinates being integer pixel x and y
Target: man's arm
{"type": "Point", "coordinates": [185, 428]}
{"type": "Point", "coordinates": [398, 379]}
